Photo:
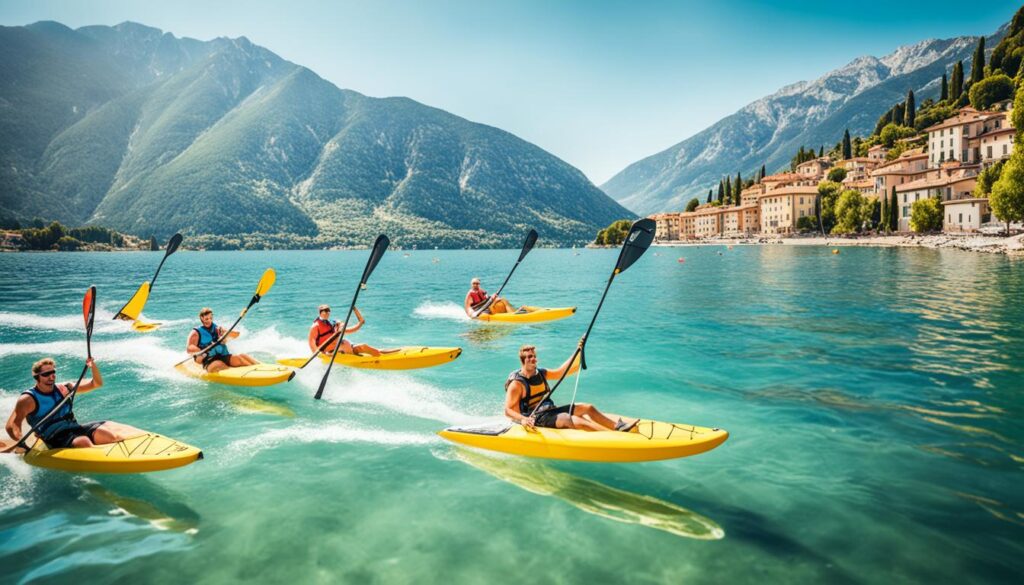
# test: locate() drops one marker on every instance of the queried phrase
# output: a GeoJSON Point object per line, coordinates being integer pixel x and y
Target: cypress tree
{"type": "Point", "coordinates": [910, 114]}
{"type": "Point", "coordinates": [821, 150]}
{"type": "Point", "coordinates": [897, 114]}
{"type": "Point", "coordinates": [894, 212]}
{"type": "Point", "coordinates": [884, 220]}
{"type": "Point", "coordinates": [709, 195]}
{"type": "Point", "coordinates": [721, 191]}
{"type": "Point", "coordinates": [736, 197]}
{"type": "Point", "coordinates": [728, 191]}
{"type": "Point", "coordinates": [847, 147]}
{"type": "Point", "coordinates": [956, 85]}
{"type": "Point", "coordinates": [762, 174]}
{"type": "Point", "coordinates": [945, 89]}
{"type": "Point", "coordinates": [978, 62]}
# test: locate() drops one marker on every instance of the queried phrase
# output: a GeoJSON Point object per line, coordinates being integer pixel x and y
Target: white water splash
{"type": "Point", "coordinates": [444, 310]}
{"type": "Point", "coordinates": [271, 342]}
{"type": "Point", "coordinates": [15, 475]}
{"type": "Point", "coordinates": [393, 391]}
{"type": "Point", "coordinates": [335, 433]}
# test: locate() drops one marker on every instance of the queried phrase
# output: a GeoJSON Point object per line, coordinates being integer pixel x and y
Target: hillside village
{"type": "Point", "coordinates": [943, 162]}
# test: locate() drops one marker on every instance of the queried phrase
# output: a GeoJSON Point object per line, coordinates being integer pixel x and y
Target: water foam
{"type": "Point", "coordinates": [391, 390]}
{"type": "Point", "coordinates": [103, 322]}
{"type": "Point", "coordinates": [334, 433]}
{"type": "Point", "coordinates": [444, 310]}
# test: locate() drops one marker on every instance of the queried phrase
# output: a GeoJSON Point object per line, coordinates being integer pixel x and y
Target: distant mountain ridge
{"type": "Point", "coordinates": [770, 130]}
{"type": "Point", "coordinates": [134, 129]}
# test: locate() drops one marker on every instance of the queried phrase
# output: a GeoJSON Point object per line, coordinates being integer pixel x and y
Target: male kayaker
{"type": "Point", "coordinates": [323, 327]}
{"type": "Point", "coordinates": [219, 357]}
{"type": "Point", "coordinates": [476, 297]}
{"type": "Point", "coordinates": [525, 388]}
{"type": "Point", "coordinates": [62, 430]}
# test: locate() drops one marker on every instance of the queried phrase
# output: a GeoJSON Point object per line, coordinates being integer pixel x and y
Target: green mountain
{"type": "Point", "coordinates": [131, 128]}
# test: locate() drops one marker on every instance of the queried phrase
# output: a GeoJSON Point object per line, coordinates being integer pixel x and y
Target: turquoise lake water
{"type": "Point", "coordinates": [874, 400]}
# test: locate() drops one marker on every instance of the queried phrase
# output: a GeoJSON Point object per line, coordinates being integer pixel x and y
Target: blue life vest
{"type": "Point", "coordinates": [536, 387]}
{"type": "Point", "coordinates": [64, 418]}
{"type": "Point", "coordinates": [206, 339]}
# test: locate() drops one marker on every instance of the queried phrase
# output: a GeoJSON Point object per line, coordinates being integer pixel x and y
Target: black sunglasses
{"type": "Point", "coordinates": [325, 310]}
{"type": "Point", "coordinates": [47, 374]}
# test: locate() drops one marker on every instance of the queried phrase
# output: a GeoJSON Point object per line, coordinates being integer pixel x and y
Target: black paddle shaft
{"type": "Point", "coordinates": [172, 247]}
{"type": "Point", "coordinates": [379, 247]}
{"type": "Point", "coordinates": [531, 239]}
{"type": "Point", "coordinates": [639, 238]}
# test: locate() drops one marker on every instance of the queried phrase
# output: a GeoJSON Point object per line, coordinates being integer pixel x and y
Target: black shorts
{"type": "Point", "coordinates": [209, 359]}
{"type": "Point", "coordinates": [548, 417]}
{"type": "Point", "coordinates": [62, 439]}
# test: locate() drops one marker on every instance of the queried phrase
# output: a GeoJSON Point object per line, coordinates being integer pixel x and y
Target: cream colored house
{"type": "Point", "coordinates": [877, 153]}
{"type": "Point", "coordinates": [707, 222]}
{"type": "Point", "coordinates": [749, 195]}
{"type": "Point", "coordinates": [949, 183]}
{"type": "Point", "coordinates": [814, 170]}
{"type": "Point", "coordinates": [781, 208]}
{"type": "Point", "coordinates": [964, 215]}
{"type": "Point", "coordinates": [909, 166]}
{"type": "Point", "coordinates": [666, 226]}
{"type": "Point", "coordinates": [971, 137]}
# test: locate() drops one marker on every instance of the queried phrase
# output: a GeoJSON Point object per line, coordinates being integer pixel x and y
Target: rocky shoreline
{"type": "Point", "coordinates": [1011, 246]}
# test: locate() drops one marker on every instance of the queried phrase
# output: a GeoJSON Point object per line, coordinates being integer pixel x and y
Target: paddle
{"type": "Point", "coordinates": [266, 281]}
{"type": "Point", "coordinates": [531, 239]}
{"type": "Point", "coordinates": [639, 238]}
{"type": "Point", "coordinates": [88, 314]}
{"type": "Point", "coordinates": [172, 247]}
{"type": "Point", "coordinates": [379, 247]}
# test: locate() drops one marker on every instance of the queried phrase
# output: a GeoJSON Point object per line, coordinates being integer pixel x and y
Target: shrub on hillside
{"type": "Point", "coordinates": [991, 90]}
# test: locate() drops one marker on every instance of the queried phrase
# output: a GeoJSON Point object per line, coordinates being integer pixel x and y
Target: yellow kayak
{"type": "Point", "coordinates": [529, 315]}
{"type": "Point", "coordinates": [257, 375]}
{"type": "Point", "coordinates": [406, 358]}
{"type": "Point", "coordinates": [648, 441]}
{"type": "Point", "coordinates": [146, 452]}
{"type": "Point", "coordinates": [144, 327]}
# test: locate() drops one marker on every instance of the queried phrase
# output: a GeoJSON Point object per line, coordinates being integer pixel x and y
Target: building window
{"type": "Point", "coordinates": [960, 218]}
{"type": "Point", "coordinates": [1004, 149]}
{"type": "Point", "coordinates": [989, 152]}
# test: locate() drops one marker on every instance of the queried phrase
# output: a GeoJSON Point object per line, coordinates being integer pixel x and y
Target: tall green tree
{"type": "Point", "coordinates": [1007, 198]}
{"type": "Point", "coordinates": [721, 191]}
{"type": "Point", "coordinates": [978, 62]}
{"type": "Point", "coordinates": [926, 215]}
{"type": "Point", "coordinates": [956, 85]}
{"type": "Point", "coordinates": [852, 212]}
{"type": "Point", "coordinates": [694, 203]}
{"type": "Point", "coordinates": [153, 245]}
{"type": "Point", "coordinates": [821, 150]}
{"type": "Point", "coordinates": [763, 173]}
{"type": "Point", "coordinates": [990, 90]}
{"type": "Point", "coordinates": [911, 110]}
{"type": "Point", "coordinates": [709, 196]}
{"type": "Point", "coordinates": [847, 146]}
{"type": "Point", "coordinates": [736, 197]}
{"type": "Point", "coordinates": [728, 191]}
{"type": "Point", "coordinates": [828, 192]}
{"type": "Point", "coordinates": [894, 211]}
{"type": "Point", "coordinates": [883, 224]}
{"type": "Point", "coordinates": [944, 95]}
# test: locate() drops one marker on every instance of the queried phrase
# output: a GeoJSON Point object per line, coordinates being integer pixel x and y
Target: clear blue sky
{"type": "Point", "coordinates": [599, 84]}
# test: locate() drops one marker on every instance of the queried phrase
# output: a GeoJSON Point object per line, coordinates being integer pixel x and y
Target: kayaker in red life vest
{"type": "Point", "coordinates": [62, 430]}
{"type": "Point", "coordinates": [525, 389]}
{"type": "Point", "coordinates": [476, 297]}
{"type": "Point", "coordinates": [219, 357]}
{"type": "Point", "coordinates": [323, 327]}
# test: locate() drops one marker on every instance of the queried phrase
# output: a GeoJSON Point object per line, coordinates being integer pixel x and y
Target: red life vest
{"type": "Point", "coordinates": [477, 296]}
{"type": "Point", "coordinates": [324, 329]}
